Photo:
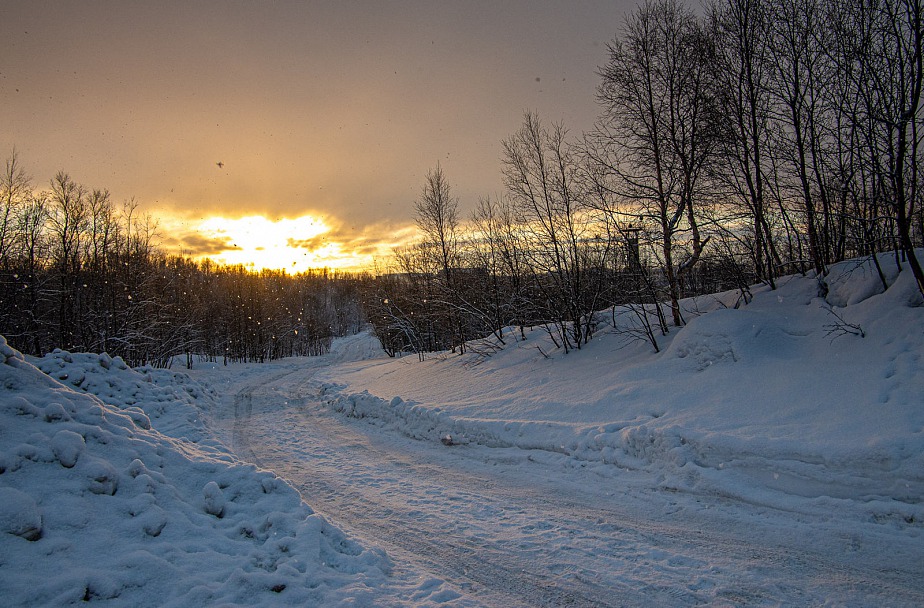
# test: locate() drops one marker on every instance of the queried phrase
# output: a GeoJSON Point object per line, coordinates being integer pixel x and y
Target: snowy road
{"type": "Point", "coordinates": [510, 527]}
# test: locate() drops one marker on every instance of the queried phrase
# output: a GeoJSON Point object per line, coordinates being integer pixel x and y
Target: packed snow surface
{"type": "Point", "coordinates": [772, 453]}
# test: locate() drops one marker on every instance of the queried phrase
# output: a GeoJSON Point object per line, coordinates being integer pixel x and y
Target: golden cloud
{"type": "Point", "coordinates": [195, 244]}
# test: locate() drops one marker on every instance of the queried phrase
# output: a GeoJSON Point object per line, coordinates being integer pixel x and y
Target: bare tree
{"type": "Point", "coordinates": [438, 220]}
{"type": "Point", "coordinates": [797, 85]}
{"type": "Point", "coordinates": [68, 218]}
{"type": "Point", "coordinates": [743, 72]}
{"type": "Point", "coordinates": [15, 190]}
{"type": "Point", "coordinates": [497, 249]}
{"type": "Point", "coordinates": [657, 131]}
{"type": "Point", "coordinates": [492, 303]}
{"type": "Point", "coordinates": [882, 56]}
{"type": "Point", "coordinates": [542, 174]}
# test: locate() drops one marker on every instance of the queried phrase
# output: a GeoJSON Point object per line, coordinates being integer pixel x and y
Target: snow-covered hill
{"type": "Point", "coordinates": [770, 402]}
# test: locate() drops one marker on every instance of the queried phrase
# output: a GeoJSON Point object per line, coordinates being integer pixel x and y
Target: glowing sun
{"type": "Point", "coordinates": [293, 245]}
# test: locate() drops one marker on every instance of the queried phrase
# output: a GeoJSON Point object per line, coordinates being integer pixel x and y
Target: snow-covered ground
{"type": "Point", "coordinates": [769, 402]}
{"type": "Point", "coordinates": [763, 457]}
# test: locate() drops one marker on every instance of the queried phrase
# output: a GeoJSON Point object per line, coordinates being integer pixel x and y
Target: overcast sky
{"type": "Point", "coordinates": [335, 109]}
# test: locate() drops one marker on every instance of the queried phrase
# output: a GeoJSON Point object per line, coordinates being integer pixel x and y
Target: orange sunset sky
{"type": "Point", "coordinates": [289, 134]}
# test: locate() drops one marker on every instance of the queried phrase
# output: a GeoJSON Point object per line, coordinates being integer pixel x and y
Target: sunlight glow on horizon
{"type": "Point", "coordinates": [293, 245]}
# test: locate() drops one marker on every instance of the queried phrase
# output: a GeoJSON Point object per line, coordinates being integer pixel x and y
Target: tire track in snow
{"type": "Point", "coordinates": [503, 581]}
{"type": "Point", "coordinates": [243, 409]}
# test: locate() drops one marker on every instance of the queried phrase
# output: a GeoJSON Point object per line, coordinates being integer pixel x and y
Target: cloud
{"type": "Point", "coordinates": [310, 244]}
{"type": "Point", "coordinates": [196, 244]}
{"type": "Point", "coordinates": [373, 241]}
{"type": "Point", "coordinates": [384, 234]}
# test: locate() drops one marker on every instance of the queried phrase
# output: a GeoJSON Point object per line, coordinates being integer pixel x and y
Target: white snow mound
{"type": "Point", "coordinates": [96, 505]}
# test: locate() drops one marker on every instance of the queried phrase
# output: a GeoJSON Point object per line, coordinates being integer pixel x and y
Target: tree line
{"type": "Point", "coordinates": [749, 140]}
{"type": "Point", "coordinates": [734, 145]}
{"type": "Point", "coordinates": [83, 273]}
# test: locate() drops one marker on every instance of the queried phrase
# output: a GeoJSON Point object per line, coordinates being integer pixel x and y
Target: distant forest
{"type": "Point", "coordinates": [81, 273]}
{"type": "Point", "coordinates": [735, 145]}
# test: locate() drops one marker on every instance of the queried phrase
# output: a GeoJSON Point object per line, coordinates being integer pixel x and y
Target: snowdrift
{"type": "Point", "coordinates": [97, 504]}
{"type": "Point", "coordinates": [794, 396]}
{"type": "Point", "coordinates": [173, 402]}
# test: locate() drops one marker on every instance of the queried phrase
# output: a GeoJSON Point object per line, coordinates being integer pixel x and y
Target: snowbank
{"type": "Point", "coordinates": [173, 402]}
{"type": "Point", "coordinates": [791, 396]}
{"type": "Point", "coordinates": [95, 504]}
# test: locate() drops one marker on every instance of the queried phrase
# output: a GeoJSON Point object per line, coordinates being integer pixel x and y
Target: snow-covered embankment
{"type": "Point", "coordinates": [795, 400]}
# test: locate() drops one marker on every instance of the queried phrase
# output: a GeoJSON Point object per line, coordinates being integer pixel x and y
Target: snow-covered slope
{"type": "Point", "coordinates": [770, 402]}
{"type": "Point", "coordinates": [95, 504]}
